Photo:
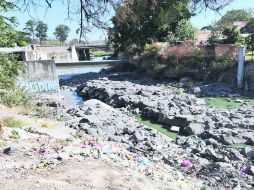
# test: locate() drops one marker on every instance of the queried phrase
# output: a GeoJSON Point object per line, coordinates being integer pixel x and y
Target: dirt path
{"type": "Point", "coordinates": [79, 175]}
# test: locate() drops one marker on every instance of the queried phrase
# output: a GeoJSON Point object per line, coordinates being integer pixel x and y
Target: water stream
{"type": "Point", "coordinates": [65, 72]}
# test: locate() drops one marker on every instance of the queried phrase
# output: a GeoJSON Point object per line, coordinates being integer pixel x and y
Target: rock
{"type": "Point", "coordinates": [233, 154]}
{"type": "Point", "coordinates": [14, 148]}
{"type": "Point", "coordinates": [239, 101]}
{"type": "Point", "coordinates": [252, 170]}
{"type": "Point", "coordinates": [139, 135]}
{"type": "Point", "coordinates": [193, 129]}
{"type": "Point", "coordinates": [248, 152]}
{"type": "Point", "coordinates": [185, 79]}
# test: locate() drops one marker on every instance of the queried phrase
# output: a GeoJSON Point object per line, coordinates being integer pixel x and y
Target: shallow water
{"type": "Point", "coordinates": [65, 72]}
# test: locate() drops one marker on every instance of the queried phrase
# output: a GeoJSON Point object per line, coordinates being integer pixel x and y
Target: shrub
{"type": "Point", "coordinates": [12, 123]}
{"type": "Point", "coordinates": [152, 49]}
{"type": "Point", "coordinates": [44, 112]}
{"type": "Point", "coordinates": [23, 43]}
{"type": "Point", "coordinates": [9, 70]}
{"type": "Point", "coordinates": [16, 96]}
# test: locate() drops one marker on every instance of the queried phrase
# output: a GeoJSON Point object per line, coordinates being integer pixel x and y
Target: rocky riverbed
{"type": "Point", "coordinates": [208, 137]}
{"type": "Point", "coordinates": [103, 144]}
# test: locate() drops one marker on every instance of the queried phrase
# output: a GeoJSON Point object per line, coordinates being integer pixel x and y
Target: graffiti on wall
{"type": "Point", "coordinates": [40, 86]}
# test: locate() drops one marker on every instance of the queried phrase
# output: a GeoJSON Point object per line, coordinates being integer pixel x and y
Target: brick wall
{"type": "Point", "coordinates": [218, 50]}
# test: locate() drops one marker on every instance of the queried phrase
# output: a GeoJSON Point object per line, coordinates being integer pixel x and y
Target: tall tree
{"type": "Point", "coordinates": [234, 15]}
{"type": "Point", "coordinates": [41, 31]}
{"type": "Point", "coordinates": [30, 28]}
{"type": "Point", "coordinates": [62, 32]}
{"type": "Point", "coordinates": [139, 22]}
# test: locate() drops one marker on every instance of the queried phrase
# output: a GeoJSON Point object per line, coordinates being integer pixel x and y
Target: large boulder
{"type": "Point", "coordinates": [193, 129]}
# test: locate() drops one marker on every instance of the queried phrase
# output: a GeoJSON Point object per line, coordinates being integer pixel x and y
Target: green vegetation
{"type": "Point", "coordinates": [17, 96]}
{"type": "Point", "coordinates": [12, 123]}
{"type": "Point", "coordinates": [9, 70]}
{"type": "Point", "coordinates": [249, 56]}
{"type": "Point", "coordinates": [62, 32]}
{"type": "Point", "coordinates": [30, 28]}
{"type": "Point", "coordinates": [141, 22]}
{"type": "Point", "coordinates": [99, 53]}
{"type": "Point", "coordinates": [41, 31]}
{"type": "Point", "coordinates": [44, 112]}
{"type": "Point", "coordinates": [227, 103]}
{"type": "Point", "coordinates": [235, 15]}
{"type": "Point", "coordinates": [14, 134]}
{"type": "Point", "coordinates": [159, 127]}
{"type": "Point", "coordinates": [239, 146]}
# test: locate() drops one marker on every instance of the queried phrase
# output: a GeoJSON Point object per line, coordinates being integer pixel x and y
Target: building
{"type": "Point", "coordinates": [239, 24]}
{"type": "Point", "coordinates": [203, 37]}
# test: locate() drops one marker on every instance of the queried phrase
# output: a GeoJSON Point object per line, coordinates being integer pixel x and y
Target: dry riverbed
{"type": "Point", "coordinates": [121, 138]}
{"type": "Point", "coordinates": [36, 156]}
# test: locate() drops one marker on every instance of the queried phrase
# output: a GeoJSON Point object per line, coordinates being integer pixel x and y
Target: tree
{"type": "Point", "coordinates": [249, 28]}
{"type": "Point", "coordinates": [94, 11]}
{"type": "Point", "coordinates": [234, 15]}
{"type": "Point", "coordinates": [41, 31]}
{"type": "Point", "coordinates": [9, 67]}
{"type": "Point", "coordinates": [139, 22]}
{"type": "Point", "coordinates": [30, 28]}
{"type": "Point", "coordinates": [61, 33]}
{"type": "Point", "coordinates": [185, 31]}
{"type": "Point", "coordinates": [232, 34]}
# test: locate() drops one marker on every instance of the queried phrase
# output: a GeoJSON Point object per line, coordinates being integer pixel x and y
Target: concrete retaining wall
{"type": "Point", "coordinates": [40, 77]}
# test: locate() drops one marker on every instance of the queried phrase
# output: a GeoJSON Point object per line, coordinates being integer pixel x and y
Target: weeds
{"type": "Point", "coordinates": [12, 123]}
{"type": "Point", "coordinates": [16, 97]}
{"type": "Point", "coordinates": [44, 112]}
{"type": "Point", "coordinates": [14, 134]}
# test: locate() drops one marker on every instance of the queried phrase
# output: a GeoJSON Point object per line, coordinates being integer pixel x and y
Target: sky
{"type": "Point", "coordinates": [58, 15]}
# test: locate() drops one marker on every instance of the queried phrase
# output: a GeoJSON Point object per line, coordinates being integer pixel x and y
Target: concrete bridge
{"type": "Point", "coordinates": [57, 53]}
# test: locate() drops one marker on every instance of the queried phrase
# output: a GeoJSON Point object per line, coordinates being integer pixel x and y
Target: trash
{"type": "Point", "coordinates": [43, 150]}
{"type": "Point", "coordinates": [186, 164]}
{"type": "Point", "coordinates": [245, 169]}
{"type": "Point", "coordinates": [143, 161]}
{"type": "Point", "coordinates": [99, 146]}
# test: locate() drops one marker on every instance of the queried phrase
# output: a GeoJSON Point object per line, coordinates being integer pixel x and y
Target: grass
{"type": "Point", "coordinates": [12, 123]}
{"type": "Point", "coordinates": [227, 103]}
{"type": "Point", "coordinates": [219, 102]}
{"type": "Point", "coordinates": [159, 127]}
{"type": "Point", "coordinates": [248, 56]}
{"type": "Point", "coordinates": [239, 146]}
{"type": "Point", "coordinates": [100, 53]}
